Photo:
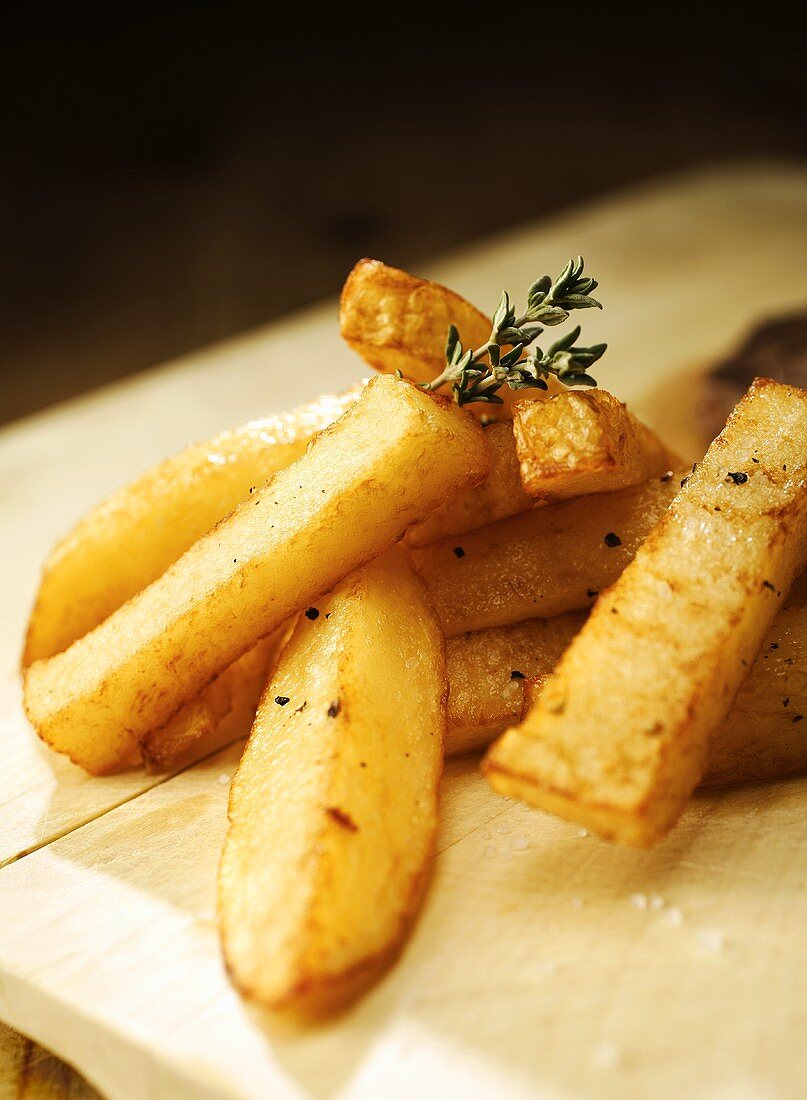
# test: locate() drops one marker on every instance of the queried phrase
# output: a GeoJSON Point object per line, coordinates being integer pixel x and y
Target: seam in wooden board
{"type": "Point", "coordinates": [109, 809]}
{"type": "Point", "coordinates": [158, 1056]}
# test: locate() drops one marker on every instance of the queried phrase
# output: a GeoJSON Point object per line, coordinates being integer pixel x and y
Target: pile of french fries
{"type": "Point", "coordinates": [381, 579]}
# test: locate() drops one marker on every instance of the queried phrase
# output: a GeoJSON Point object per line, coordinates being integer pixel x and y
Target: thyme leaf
{"type": "Point", "coordinates": [477, 375]}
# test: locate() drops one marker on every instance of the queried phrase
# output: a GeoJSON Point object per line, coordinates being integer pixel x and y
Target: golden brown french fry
{"type": "Point", "coordinates": [391, 458]}
{"type": "Point", "coordinates": [762, 737]}
{"type": "Point", "coordinates": [619, 736]}
{"type": "Point", "coordinates": [542, 562]}
{"type": "Point", "coordinates": [398, 322]}
{"type": "Point", "coordinates": [221, 713]}
{"type": "Point", "coordinates": [584, 442]}
{"type": "Point", "coordinates": [487, 671]}
{"type": "Point", "coordinates": [130, 539]}
{"type": "Point", "coordinates": [500, 495]}
{"type": "Point", "coordinates": [333, 809]}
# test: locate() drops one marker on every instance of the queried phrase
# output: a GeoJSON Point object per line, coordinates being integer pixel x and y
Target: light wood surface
{"type": "Point", "coordinates": [534, 971]}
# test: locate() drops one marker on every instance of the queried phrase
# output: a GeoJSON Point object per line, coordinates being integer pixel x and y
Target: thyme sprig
{"type": "Point", "coordinates": [477, 375]}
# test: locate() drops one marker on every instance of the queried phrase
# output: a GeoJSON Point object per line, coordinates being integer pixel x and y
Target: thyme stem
{"type": "Point", "coordinates": [476, 375]}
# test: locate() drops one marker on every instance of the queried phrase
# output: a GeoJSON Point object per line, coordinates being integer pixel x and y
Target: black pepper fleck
{"type": "Point", "coordinates": [786, 701]}
{"type": "Point", "coordinates": [312, 613]}
{"type": "Point", "coordinates": [797, 717]}
{"type": "Point", "coordinates": [755, 460]}
{"type": "Point", "coordinates": [768, 585]}
{"type": "Point", "coordinates": [739, 478]}
{"type": "Point", "coordinates": [334, 709]}
{"type": "Point", "coordinates": [774, 645]}
{"type": "Point", "coordinates": [684, 480]}
{"type": "Point", "coordinates": [459, 552]}
{"type": "Point", "coordinates": [516, 675]}
{"type": "Point", "coordinates": [612, 540]}
{"type": "Point", "coordinates": [667, 476]}
{"type": "Point", "coordinates": [342, 818]}
{"type": "Point", "coordinates": [281, 700]}
{"type": "Point", "coordinates": [592, 593]}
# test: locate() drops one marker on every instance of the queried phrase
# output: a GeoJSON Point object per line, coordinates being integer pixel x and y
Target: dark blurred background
{"type": "Point", "coordinates": [175, 174]}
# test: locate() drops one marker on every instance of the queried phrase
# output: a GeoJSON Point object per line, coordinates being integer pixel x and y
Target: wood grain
{"type": "Point", "coordinates": [534, 971]}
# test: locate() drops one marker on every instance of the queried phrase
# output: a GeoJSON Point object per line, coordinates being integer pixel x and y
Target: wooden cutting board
{"type": "Point", "coordinates": [545, 964]}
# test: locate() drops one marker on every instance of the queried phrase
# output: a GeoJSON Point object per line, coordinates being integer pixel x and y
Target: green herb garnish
{"type": "Point", "coordinates": [477, 375]}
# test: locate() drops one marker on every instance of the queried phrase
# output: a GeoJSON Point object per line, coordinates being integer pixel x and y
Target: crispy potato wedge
{"type": "Point", "coordinates": [487, 671]}
{"type": "Point", "coordinates": [130, 539]}
{"type": "Point", "coordinates": [618, 739]}
{"type": "Point", "coordinates": [581, 442]}
{"type": "Point", "coordinates": [390, 459]}
{"type": "Point", "coordinates": [500, 495]}
{"type": "Point", "coordinates": [542, 562]}
{"type": "Point", "coordinates": [398, 322]}
{"type": "Point", "coordinates": [222, 712]}
{"type": "Point", "coordinates": [333, 809]}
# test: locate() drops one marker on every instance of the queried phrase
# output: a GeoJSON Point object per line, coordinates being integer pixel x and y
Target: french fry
{"type": "Point", "coordinates": [398, 322]}
{"type": "Point", "coordinates": [584, 442]}
{"type": "Point", "coordinates": [487, 671]}
{"type": "Point", "coordinates": [618, 739]}
{"type": "Point", "coordinates": [129, 540]}
{"type": "Point", "coordinates": [542, 562]}
{"type": "Point", "coordinates": [221, 713]}
{"type": "Point", "coordinates": [762, 736]}
{"type": "Point", "coordinates": [333, 809]}
{"type": "Point", "coordinates": [500, 495]}
{"type": "Point", "coordinates": [391, 458]}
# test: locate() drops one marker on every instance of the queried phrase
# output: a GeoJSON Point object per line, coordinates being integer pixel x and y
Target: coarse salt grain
{"type": "Point", "coordinates": [638, 901]}
{"type": "Point", "coordinates": [606, 1055]}
{"type": "Point", "coordinates": [673, 916]}
{"type": "Point", "coordinates": [581, 833]}
{"type": "Point", "coordinates": [710, 941]}
{"type": "Point", "coordinates": [519, 843]}
{"type": "Point", "coordinates": [657, 902]}
{"type": "Point", "coordinates": [223, 778]}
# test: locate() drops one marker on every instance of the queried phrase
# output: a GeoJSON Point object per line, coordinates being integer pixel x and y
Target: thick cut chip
{"type": "Point", "coordinates": [763, 736]}
{"type": "Point", "coordinates": [385, 464]}
{"type": "Point", "coordinates": [487, 671]}
{"type": "Point", "coordinates": [333, 809]}
{"type": "Point", "coordinates": [397, 322]}
{"type": "Point", "coordinates": [220, 713]}
{"type": "Point", "coordinates": [542, 562]}
{"type": "Point", "coordinates": [130, 539]}
{"type": "Point", "coordinates": [577, 443]}
{"type": "Point", "coordinates": [500, 495]}
{"type": "Point", "coordinates": [619, 736]}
